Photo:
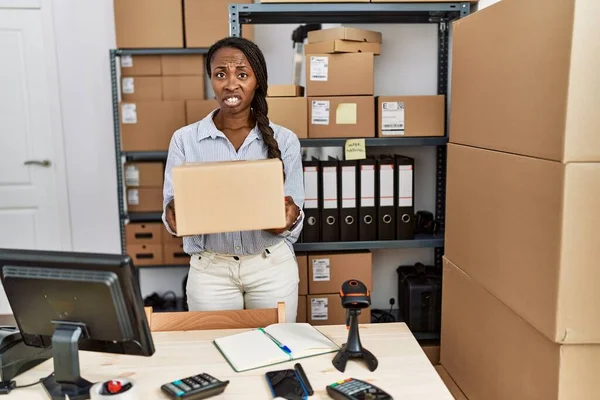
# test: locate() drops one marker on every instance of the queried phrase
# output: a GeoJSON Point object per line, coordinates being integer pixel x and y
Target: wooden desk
{"type": "Point", "coordinates": [404, 371]}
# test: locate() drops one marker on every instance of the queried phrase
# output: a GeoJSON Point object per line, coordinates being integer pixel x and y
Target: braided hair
{"type": "Point", "coordinates": [259, 103]}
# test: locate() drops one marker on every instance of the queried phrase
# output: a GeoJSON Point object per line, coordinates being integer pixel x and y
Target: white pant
{"type": "Point", "coordinates": [228, 282]}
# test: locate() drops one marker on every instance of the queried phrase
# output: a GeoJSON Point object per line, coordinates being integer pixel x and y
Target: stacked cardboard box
{"type": "Point", "coordinates": [154, 90]}
{"type": "Point", "coordinates": [340, 82]}
{"type": "Point", "coordinates": [326, 274]}
{"type": "Point", "coordinates": [411, 116]}
{"type": "Point", "coordinates": [173, 23]}
{"type": "Point", "coordinates": [288, 108]}
{"type": "Point", "coordinates": [520, 280]}
{"type": "Point", "coordinates": [144, 182]}
{"type": "Point", "coordinates": [144, 243]}
{"type": "Point", "coordinates": [152, 244]}
{"type": "Point", "coordinates": [207, 21]}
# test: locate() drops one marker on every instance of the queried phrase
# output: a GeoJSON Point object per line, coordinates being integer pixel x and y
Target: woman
{"type": "Point", "coordinates": [251, 269]}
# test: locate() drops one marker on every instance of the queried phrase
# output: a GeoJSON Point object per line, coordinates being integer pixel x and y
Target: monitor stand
{"type": "Point", "coordinates": [66, 379]}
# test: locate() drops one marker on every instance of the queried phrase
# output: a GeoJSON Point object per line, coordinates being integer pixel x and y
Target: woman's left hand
{"type": "Point", "coordinates": [292, 212]}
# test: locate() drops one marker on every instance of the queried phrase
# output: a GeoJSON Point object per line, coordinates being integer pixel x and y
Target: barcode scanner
{"type": "Point", "coordinates": [354, 296]}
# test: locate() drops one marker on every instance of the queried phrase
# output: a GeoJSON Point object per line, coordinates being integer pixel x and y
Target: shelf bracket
{"type": "Point", "coordinates": [235, 27]}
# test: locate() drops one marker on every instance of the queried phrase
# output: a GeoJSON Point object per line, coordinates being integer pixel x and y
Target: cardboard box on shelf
{"type": "Point", "coordinates": [523, 228]}
{"type": "Point", "coordinates": [343, 74]}
{"type": "Point", "coordinates": [197, 110]}
{"type": "Point", "coordinates": [302, 273]}
{"type": "Point", "coordinates": [143, 233]}
{"type": "Point", "coordinates": [261, 181]}
{"type": "Point", "coordinates": [411, 116]}
{"type": "Point", "coordinates": [144, 199]}
{"type": "Point", "coordinates": [348, 116]}
{"type": "Point", "coordinates": [285, 91]}
{"type": "Point", "coordinates": [179, 64]}
{"type": "Point", "coordinates": [301, 314]}
{"type": "Point", "coordinates": [148, 23]}
{"type": "Point", "coordinates": [541, 103]}
{"type": "Point", "coordinates": [326, 309]}
{"type": "Point", "coordinates": [291, 113]}
{"type": "Point", "coordinates": [328, 271]}
{"type": "Point", "coordinates": [140, 65]}
{"type": "Point", "coordinates": [342, 46]}
{"type": "Point", "coordinates": [344, 33]}
{"type": "Point", "coordinates": [183, 87]}
{"type": "Point", "coordinates": [207, 21]}
{"type": "Point", "coordinates": [173, 254]}
{"type": "Point", "coordinates": [145, 254]}
{"type": "Point", "coordinates": [141, 88]}
{"type": "Point", "coordinates": [494, 354]}
{"type": "Point", "coordinates": [145, 174]}
{"type": "Point", "coordinates": [149, 125]}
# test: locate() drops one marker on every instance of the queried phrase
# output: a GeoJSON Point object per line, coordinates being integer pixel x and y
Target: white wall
{"type": "Point", "coordinates": [85, 33]}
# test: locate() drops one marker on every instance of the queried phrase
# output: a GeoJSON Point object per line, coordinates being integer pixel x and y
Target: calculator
{"type": "Point", "coordinates": [354, 389]}
{"type": "Point", "coordinates": [195, 387]}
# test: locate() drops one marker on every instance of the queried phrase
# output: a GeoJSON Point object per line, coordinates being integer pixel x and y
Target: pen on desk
{"type": "Point", "coordinates": [304, 378]}
{"type": "Point", "coordinates": [277, 342]}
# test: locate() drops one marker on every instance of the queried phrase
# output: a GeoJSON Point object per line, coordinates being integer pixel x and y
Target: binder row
{"type": "Point", "coordinates": [359, 200]}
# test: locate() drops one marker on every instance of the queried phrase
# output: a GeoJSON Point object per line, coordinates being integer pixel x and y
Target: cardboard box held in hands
{"type": "Point", "coordinates": [229, 196]}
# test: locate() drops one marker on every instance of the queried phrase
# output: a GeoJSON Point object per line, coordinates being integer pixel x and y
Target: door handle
{"type": "Point", "coordinates": [43, 163]}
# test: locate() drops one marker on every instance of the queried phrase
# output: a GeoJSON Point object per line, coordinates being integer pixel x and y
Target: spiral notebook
{"type": "Point", "coordinates": [274, 344]}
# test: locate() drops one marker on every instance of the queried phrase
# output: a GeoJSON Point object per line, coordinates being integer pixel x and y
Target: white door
{"type": "Point", "coordinates": [33, 209]}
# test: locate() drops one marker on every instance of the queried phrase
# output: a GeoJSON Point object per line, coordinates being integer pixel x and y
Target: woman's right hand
{"type": "Point", "coordinates": [170, 215]}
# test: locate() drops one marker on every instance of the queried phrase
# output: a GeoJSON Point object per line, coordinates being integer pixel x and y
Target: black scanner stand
{"type": "Point", "coordinates": [355, 296]}
{"type": "Point", "coordinates": [353, 347]}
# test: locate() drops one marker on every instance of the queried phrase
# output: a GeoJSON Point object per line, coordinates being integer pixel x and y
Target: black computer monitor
{"type": "Point", "coordinates": [75, 301]}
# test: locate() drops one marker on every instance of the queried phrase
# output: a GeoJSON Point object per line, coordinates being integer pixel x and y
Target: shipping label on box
{"type": "Point", "coordinates": [318, 308]}
{"type": "Point", "coordinates": [392, 118]}
{"type": "Point", "coordinates": [320, 267]}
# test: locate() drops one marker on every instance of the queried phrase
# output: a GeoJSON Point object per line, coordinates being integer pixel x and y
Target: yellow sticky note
{"type": "Point", "coordinates": [355, 149]}
{"type": "Point", "coordinates": [345, 114]}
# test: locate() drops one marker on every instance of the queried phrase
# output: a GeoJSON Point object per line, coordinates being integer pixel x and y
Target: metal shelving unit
{"type": "Point", "coordinates": [441, 14]}
{"type": "Point", "coordinates": [388, 13]}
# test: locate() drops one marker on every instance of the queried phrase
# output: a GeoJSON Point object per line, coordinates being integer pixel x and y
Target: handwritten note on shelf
{"type": "Point", "coordinates": [355, 149]}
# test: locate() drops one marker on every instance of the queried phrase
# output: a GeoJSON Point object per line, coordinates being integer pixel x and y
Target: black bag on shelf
{"type": "Point", "coordinates": [420, 297]}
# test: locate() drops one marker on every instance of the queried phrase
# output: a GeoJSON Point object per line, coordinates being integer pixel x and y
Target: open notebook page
{"type": "Point", "coordinates": [250, 349]}
{"type": "Point", "coordinates": [302, 339]}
